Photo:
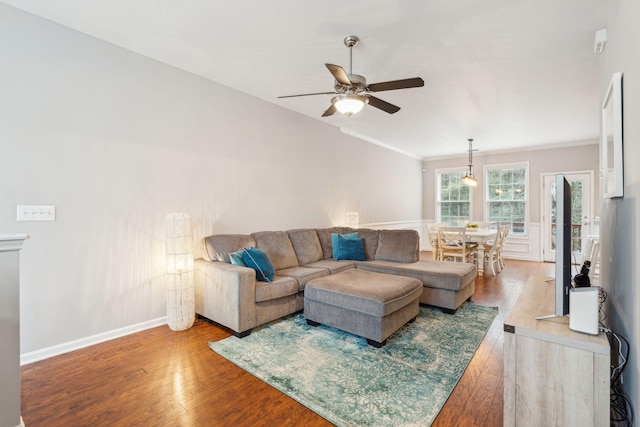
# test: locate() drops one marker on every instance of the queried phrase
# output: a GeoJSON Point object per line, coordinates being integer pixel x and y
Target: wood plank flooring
{"type": "Point", "coordinates": [163, 378]}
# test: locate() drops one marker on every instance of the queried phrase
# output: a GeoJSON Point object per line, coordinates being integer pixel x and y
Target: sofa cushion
{"type": "Point", "coordinates": [219, 246]}
{"type": "Point", "coordinates": [306, 245]}
{"type": "Point", "coordinates": [303, 274]}
{"type": "Point", "coordinates": [278, 247]}
{"type": "Point", "coordinates": [332, 265]}
{"type": "Point", "coordinates": [334, 241]}
{"type": "Point", "coordinates": [324, 235]}
{"type": "Point", "coordinates": [349, 249]}
{"type": "Point", "coordinates": [451, 276]}
{"type": "Point", "coordinates": [260, 262]}
{"type": "Point", "coordinates": [398, 246]}
{"type": "Point", "coordinates": [279, 288]}
{"type": "Point", "coordinates": [370, 241]}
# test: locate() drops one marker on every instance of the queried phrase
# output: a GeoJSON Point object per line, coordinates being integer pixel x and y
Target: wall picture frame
{"type": "Point", "coordinates": [611, 140]}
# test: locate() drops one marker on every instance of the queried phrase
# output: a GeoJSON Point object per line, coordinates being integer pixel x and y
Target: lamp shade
{"type": "Point", "coordinates": [350, 104]}
{"type": "Point", "coordinates": [352, 219]}
{"type": "Point", "coordinates": [470, 180]}
{"type": "Point", "coordinates": [180, 280]}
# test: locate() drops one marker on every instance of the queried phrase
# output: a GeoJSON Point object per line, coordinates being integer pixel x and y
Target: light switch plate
{"type": "Point", "coordinates": [36, 213]}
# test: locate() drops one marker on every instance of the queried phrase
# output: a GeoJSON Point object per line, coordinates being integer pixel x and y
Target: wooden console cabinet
{"type": "Point", "coordinates": [553, 376]}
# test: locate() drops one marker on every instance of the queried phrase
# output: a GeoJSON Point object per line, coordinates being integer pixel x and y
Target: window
{"type": "Point", "coordinates": [507, 196]}
{"type": "Point", "coordinates": [576, 216]}
{"type": "Point", "coordinates": [453, 197]}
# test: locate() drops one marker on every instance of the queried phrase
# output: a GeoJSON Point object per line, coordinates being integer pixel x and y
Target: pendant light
{"type": "Point", "coordinates": [469, 179]}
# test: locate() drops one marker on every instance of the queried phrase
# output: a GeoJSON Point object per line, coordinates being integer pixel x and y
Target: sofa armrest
{"type": "Point", "coordinates": [226, 294]}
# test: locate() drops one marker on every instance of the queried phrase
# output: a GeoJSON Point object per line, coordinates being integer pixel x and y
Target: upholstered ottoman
{"type": "Point", "coordinates": [371, 305]}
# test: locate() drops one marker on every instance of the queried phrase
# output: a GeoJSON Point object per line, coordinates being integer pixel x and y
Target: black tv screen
{"type": "Point", "coordinates": [563, 245]}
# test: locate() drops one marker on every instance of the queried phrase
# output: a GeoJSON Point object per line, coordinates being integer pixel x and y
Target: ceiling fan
{"type": "Point", "coordinates": [352, 91]}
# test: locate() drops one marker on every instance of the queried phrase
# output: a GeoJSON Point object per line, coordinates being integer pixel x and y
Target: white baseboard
{"type": "Point", "coordinates": [56, 350]}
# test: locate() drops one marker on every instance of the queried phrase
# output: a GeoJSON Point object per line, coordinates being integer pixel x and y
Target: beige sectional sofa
{"type": "Point", "coordinates": [231, 296]}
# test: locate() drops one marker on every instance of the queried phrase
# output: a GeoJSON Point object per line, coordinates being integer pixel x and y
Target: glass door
{"type": "Point", "coordinates": [581, 213]}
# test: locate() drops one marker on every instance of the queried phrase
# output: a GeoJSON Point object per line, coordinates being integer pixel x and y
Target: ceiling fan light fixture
{"type": "Point", "coordinates": [350, 104]}
{"type": "Point", "coordinates": [352, 91]}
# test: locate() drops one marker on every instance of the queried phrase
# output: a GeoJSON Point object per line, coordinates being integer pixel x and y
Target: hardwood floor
{"type": "Point", "coordinates": [163, 378]}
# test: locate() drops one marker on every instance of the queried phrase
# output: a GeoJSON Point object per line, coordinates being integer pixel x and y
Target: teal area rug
{"type": "Point", "coordinates": [341, 378]}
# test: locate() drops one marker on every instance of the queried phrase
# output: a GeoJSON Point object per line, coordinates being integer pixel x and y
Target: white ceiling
{"type": "Point", "coordinates": [509, 73]}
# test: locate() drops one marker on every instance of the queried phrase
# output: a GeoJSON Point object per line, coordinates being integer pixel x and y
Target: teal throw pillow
{"type": "Point", "coordinates": [260, 262]}
{"type": "Point", "coordinates": [350, 249]}
{"type": "Point", "coordinates": [236, 258]}
{"type": "Point", "coordinates": [334, 241]}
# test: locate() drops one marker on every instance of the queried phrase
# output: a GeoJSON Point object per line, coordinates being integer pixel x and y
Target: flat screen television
{"type": "Point", "coordinates": [563, 247]}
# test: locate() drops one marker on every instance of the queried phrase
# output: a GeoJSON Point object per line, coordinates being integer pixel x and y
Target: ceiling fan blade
{"type": "Point", "coordinates": [338, 74]}
{"type": "Point", "coordinates": [308, 94]}
{"type": "Point", "coordinates": [383, 105]}
{"type": "Point", "coordinates": [329, 111]}
{"type": "Point", "coordinates": [396, 84]}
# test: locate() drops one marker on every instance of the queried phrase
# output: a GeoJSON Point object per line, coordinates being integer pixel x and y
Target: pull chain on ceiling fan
{"type": "Point", "coordinates": [353, 93]}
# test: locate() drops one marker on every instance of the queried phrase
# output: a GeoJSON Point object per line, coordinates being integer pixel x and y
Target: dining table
{"type": "Point", "coordinates": [480, 236]}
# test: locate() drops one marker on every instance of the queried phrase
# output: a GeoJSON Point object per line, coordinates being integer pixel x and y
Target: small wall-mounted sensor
{"type": "Point", "coordinates": [36, 213]}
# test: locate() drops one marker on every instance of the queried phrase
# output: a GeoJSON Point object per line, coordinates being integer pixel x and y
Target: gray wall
{"type": "Point", "coordinates": [565, 159]}
{"type": "Point", "coordinates": [116, 141]}
{"type": "Point", "coordinates": [619, 233]}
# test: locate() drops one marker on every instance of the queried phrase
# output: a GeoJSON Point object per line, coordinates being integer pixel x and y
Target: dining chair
{"type": "Point", "coordinates": [454, 244]}
{"type": "Point", "coordinates": [493, 250]}
{"type": "Point", "coordinates": [504, 232]}
{"type": "Point", "coordinates": [432, 230]}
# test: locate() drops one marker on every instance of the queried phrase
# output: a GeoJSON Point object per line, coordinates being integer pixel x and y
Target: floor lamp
{"type": "Point", "coordinates": [180, 288]}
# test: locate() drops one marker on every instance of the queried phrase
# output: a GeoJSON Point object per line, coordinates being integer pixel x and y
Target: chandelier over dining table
{"type": "Point", "coordinates": [468, 178]}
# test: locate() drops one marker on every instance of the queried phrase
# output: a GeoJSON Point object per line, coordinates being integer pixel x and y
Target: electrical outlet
{"type": "Point", "coordinates": [36, 213]}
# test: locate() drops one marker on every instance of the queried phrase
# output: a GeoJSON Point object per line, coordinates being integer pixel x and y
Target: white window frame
{"type": "Point", "coordinates": [438, 172]}
{"type": "Point", "coordinates": [527, 183]}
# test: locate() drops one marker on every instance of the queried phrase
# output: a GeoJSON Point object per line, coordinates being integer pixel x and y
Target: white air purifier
{"type": "Point", "coordinates": [583, 310]}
